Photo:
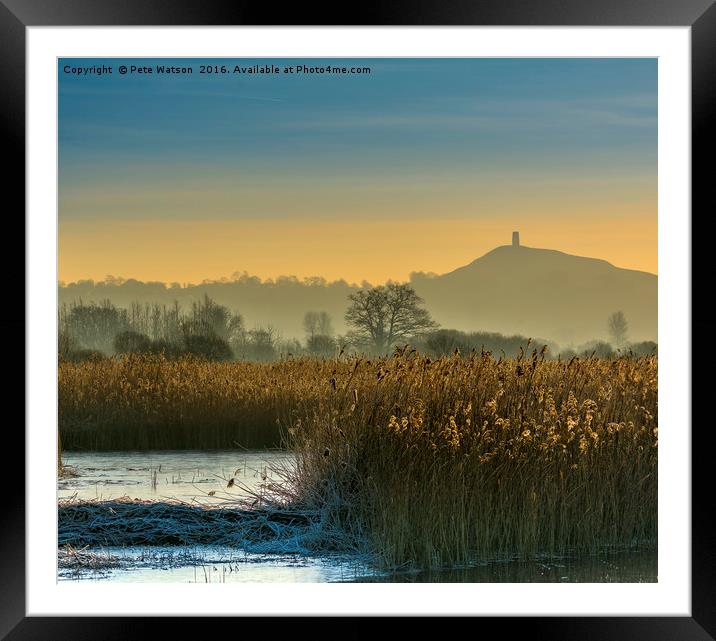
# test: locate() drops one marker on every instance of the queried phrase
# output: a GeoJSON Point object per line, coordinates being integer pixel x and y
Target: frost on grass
{"type": "Point", "coordinates": [127, 522]}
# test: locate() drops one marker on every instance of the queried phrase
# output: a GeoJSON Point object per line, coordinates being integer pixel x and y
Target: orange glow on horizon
{"type": "Point", "coordinates": [373, 250]}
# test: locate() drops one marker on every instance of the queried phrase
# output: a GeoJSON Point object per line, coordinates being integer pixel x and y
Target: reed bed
{"type": "Point", "coordinates": [426, 463]}
{"type": "Point", "coordinates": [443, 462]}
{"type": "Point", "coordinates": [141, 402]}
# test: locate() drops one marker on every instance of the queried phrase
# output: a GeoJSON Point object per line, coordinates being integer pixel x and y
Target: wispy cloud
{"type": "Point", "coordinates": [493, 116]}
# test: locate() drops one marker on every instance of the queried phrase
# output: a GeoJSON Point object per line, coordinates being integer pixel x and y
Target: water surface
{"type": "Point", "coordinates": [186, 475]}
{"type": "Point", "coordinates": [213, 564]}
{"type": "Point", "coordinates": [193, 475]}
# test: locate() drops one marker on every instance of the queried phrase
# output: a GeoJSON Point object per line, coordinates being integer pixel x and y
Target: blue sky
{"type": "Point", "coordinates": [478, 135]}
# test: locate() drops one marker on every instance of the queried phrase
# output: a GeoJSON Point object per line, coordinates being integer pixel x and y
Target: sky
{"type": "Point", "coordinates": [419, 165]}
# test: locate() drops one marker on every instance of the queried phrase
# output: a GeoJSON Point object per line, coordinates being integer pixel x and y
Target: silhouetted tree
{"type": "Point", "coordinates": [95, 325]}
{"type": "Point", "coordinates": [289, 347]}
{"type": "Point", "coordinates": [644, 348]}
{"type": "Point", "coordinates": [618, 327]}
{"type": "Point", "coordinates": [69, 349]}
{"type": "Point", "coordinates": [212, 347]}
{"type": "Point", "coordinates": [600, 349]}
{"type": "Point", "coordinates": [319, 333]}
{"type": "Point", "coordinates": [317, 323]}
{"type": "Point", "coordinates": [321, 345]}
{"type": "Point", "coordinates": [130, 342]}
{"type": "Point", "coordinates": [262, 343]}
{"type": "Point", "coordinates": [236, 333]}
{"type": "Point", "coordinates": [66, 346]}
{"type": "Point", "coordinates": [208, 318]}
{"type": "Point", "coordinates": [385, 315]}
{"type": "Point", "coordinates": [446, 341]}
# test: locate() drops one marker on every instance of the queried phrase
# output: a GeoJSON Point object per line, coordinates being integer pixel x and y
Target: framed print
{"type": "Point", "coordinates": [374, 319]}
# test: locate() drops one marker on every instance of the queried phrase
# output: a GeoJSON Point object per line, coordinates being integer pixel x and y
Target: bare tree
{"type": "Point", "coordinates": [236, 333]}
{"type": "Point", "coordinates": [207, 318]}
{"type": "Point", "coordinates": [385, 315]}
{"type": "Point", "coordinates": [618, 327]}
{"type": "Point", "coordinates": [317, 324]}
{"type": "Point", "coordinates": [262, 342]}
{"type": "Point", "coordinates": [319, 333]}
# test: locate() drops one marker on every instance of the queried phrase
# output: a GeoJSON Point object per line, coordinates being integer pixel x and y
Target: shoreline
{"type": "Point", "coordinates": [88, 528]}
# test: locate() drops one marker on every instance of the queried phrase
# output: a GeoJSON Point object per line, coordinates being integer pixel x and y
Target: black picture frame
{"type": "Point", "coordinates": [700, 15]}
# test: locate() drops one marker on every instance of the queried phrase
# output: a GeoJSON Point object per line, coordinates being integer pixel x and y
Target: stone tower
{"type": "Point", "coordinates": [515, 239]}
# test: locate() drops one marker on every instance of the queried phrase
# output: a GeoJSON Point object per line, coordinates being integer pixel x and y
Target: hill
{"type": "Point", "coordinates": [512, 290]}
{"type": "Point", "coordinates": [542, 292]}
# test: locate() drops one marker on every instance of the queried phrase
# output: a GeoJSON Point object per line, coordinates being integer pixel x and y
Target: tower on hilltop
{"type": "Point", "coordinates": [515, 239]}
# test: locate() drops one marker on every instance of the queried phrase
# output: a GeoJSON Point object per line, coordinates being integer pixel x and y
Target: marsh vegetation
{"type": "Point", "coordinates": [431, 462]}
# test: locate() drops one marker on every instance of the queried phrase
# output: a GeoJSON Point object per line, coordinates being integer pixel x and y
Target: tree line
{"type": "Point", "coordinates": [379, 319]}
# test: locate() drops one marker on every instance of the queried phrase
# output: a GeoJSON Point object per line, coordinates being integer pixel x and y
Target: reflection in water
{"type": "Point", "coordinates": [192, 475]}
{"type": "Point", "coordinates": [209, 564]}
{"type": "Point", "coordinates": [213, 564]}
{"type": "Point", "coordinates": [634, 566]}
{"type": "Point", "coordinates": [186, 475]}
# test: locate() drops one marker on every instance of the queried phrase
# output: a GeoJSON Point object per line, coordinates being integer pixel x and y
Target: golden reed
{"type": "Point", "coordinates": [424, 462]}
